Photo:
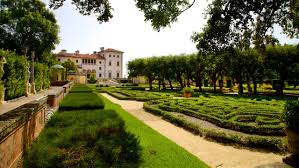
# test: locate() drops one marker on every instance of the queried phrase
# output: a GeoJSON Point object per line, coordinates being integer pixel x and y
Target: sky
{"type": "Point", "coordinates": [127, 31]}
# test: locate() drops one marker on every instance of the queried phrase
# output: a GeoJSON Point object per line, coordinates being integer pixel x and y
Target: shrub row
{"type": "Point", "coordinates": [95, 138]}
{"type": "Point", "coordinates": [255, 141]}
{"type": "Point", "coordinates": [15, 74]}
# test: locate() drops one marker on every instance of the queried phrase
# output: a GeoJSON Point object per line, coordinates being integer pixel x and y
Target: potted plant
{"type": "Point", "coordinates": [187, 92]}
{"type": "Point", "coordinates": [291, 118]}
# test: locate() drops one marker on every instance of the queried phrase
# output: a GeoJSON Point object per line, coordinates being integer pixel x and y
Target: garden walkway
{"type": "Point", "coordinates": [214, 154]}
{"type": "Point", "coordinates": [19, 102]}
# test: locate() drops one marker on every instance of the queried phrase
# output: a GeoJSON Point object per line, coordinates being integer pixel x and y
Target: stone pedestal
{"type": "Point", "coordinates": [2, 95]}
{"type": "Point", "coordinates": [33, 91]}
{"type": "Point", "coordinates": [28, 89]}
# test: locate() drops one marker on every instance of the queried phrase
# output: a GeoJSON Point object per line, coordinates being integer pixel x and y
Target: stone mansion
{"type": "Point", "coordinates": [106, 63]}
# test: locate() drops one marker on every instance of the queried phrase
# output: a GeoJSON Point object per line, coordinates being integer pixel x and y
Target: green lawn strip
{"type": "Point", "coordinates": [81, 100]}
{"type": "Point", "coordinates": [89, 138]}
{"type": "Point", "coordinates": [157, 150]}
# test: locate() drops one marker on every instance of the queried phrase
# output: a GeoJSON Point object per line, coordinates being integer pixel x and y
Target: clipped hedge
{"type": "Point", "coordinates": [78, 88]}
{"type": "Point", "coordinates": [77, 101]}
{"type": "Point", "coordinates": [41, 75]}
{"type": "Point", "coordinates": [95, 138]}
{"type": "Point", "coordinates": [15, 75]}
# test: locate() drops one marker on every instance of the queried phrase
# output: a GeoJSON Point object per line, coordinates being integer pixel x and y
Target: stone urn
{"type": "Point", "coordinates": [293, 146]}
{"type": "Point", "coordinates": [291, 118]}
{"type": "Point", "coordinates": [293, 141]}
{"type": "Point", "coordinates": [187, 94]}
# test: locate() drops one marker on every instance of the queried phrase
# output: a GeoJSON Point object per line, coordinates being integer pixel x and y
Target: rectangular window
{"type": "Point", "coordinates": [117, 63]}
{"type": "Point", "coordinates": [109, 63]}
{"type": "Point", "coordinates": [110, 56]}
{"type": "Point", "coordinates": [100, 62]}
{"type": "Point", "coordinates": [76, 61]}
{"type": "Point", "coordinates": [118, 56]}
{"type": "Point", "coordinates": [100, 75]}
{"type": "Point", "coordinates": [100, 68]}
{"type": "Point", "coordinates": [89, 61]}
{"type": "Point", "coordinates": [109, 75]}
{"type": "Point", "coordinates": [58, 59]}
{"type": "Point", "coordinates": [117, 75]}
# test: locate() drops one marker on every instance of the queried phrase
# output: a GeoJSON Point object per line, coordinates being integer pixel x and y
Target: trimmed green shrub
{"type": "Point", "coordinates": [291, 115]}
{"type": "Point", "coordinates": [83, 100]}
{"type": "Point", "coordinates": [92, 79]}
{"type": "Point", "coordinates": [15, 75]}
{"type": "Point", "coordinates": [94, 138]}
{"type": "Point", "coordinates": [41, 76]}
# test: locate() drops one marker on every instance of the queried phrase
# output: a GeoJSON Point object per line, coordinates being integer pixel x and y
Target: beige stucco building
{"type": "Point", "coordinates": [107, 63]}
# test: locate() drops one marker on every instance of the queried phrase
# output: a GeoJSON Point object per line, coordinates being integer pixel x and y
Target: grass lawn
{"type": "Point", "coordinates": [157, 150]}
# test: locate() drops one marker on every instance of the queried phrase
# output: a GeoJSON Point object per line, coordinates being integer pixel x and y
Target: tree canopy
{"type": "Point", "coordinates": [27, 25]}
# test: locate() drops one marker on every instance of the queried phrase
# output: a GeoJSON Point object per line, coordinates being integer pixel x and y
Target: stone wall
{"type": "Point", "coordinates": [18, 128]}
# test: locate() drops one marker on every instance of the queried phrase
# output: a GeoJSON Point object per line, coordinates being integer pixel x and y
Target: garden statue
{"type": "Point", "coordinates": [32, 73]}
{"type": "Point", "coordinates": [28, 85]}
{"type": "Point", "coordinates": [2, 89]}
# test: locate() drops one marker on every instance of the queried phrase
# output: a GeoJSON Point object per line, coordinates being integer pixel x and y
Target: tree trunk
{"type": "Point", "coordinates": [164, 85]}
{"type": "Point", "coordinates": [254, 87]}
{"type": "Point", "coordinates": [240, 87]}
{"type": "Point", "coordinates": [249, 87]}
{"type": "Point", "coordinates": [151, 84]}
{"type": "Point", "coordinates": [170, 84]}
{"type": "Point", "coordinates": [214, 83]}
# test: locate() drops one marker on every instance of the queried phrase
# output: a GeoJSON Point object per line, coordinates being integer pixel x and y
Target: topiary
{"type": "Point", "coordinates": [291, 115]}
{"type": "Point", "coordinates": [188, 90]}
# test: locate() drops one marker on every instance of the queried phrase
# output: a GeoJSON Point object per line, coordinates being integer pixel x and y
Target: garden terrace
{"type": "Point", "coordinates": [248, 116]}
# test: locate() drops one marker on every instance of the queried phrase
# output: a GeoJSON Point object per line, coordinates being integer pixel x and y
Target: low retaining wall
{"type": "Point", "coordinates": [55, 97]}
{"type": "Point", "coordinates": [18, 128]}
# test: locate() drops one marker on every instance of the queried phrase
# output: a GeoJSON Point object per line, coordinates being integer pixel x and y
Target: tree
{"type": "Point", "coordinates": [282, 60]}
{"type": "Point", "coordinates": [216, 67]}
{"type": "Point", "coordinates": [230, 20]}
{"type": "Point", "coordinates": [27, 25]}
{"type": "Point", "coordinates": [69, 66]}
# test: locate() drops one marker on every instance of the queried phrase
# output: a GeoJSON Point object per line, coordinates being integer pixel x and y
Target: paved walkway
{"type": "Point", "coordinates": [14, 104]}
{"type": "Point", "coordinates": [214, 154]}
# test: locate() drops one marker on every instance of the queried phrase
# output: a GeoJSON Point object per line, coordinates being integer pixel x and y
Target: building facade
{"type": "Point", "coordinates": [107, 63]}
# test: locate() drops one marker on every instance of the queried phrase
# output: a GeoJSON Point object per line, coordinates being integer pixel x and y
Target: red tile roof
{"type": "Point", "coordinates": [112, 50]}
{"type": "Point", "coordinates": [75, 55]}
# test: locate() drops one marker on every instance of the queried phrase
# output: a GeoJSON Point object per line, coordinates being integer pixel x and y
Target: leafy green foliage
{"type": "Point", "coordinates": [41, 76]}
{"type": "Point", "coordinates": [291, 115]}
{"type": "Point", "coordinates": [94, 138]}
{"type": "Point", "coordinates": [188, 90]}
{"type": "Point", "coordinates": [101, 8]}
{"type": "Point", "coordinates": [26, 26]}
{"type": "Point", "coordinates": [69, 66]}
{"type": "Point", "coordinates": [15, 75]}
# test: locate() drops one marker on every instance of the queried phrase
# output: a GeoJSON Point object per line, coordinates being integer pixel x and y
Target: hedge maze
{"type": "Point", "coordinates": [248, 116]}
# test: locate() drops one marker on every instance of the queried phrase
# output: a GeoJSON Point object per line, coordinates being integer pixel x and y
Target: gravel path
{"type": "Point", "coordinates": [214, 154]}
